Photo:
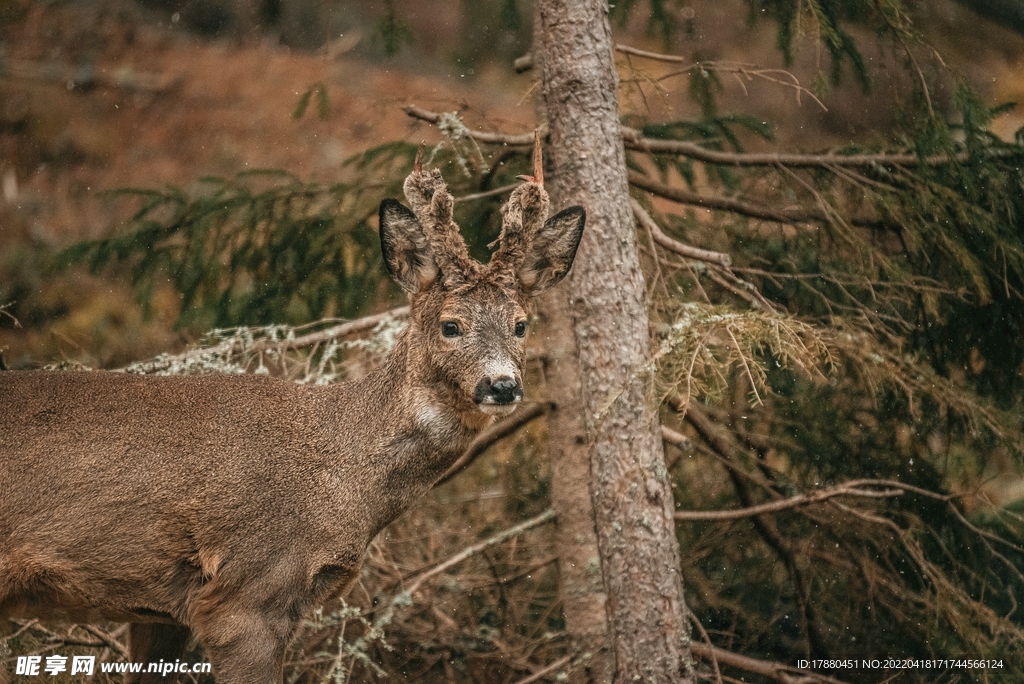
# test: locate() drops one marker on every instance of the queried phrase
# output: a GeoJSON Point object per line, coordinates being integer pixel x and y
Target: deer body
{"type": "Point", "coordinates": [230, 506]}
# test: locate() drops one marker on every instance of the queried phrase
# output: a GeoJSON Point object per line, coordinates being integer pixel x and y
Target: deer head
{"type": "Point", "coordinates": [469, 320]}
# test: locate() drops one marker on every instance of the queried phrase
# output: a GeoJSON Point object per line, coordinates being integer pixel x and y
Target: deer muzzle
{"type": "Point", "coordinates": [499, 395]}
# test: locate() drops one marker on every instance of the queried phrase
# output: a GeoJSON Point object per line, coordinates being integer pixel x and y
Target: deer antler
{"type": "Point", "coordinates": [432, 204]}
{"type": "Point", "coordinates": [522, 216]}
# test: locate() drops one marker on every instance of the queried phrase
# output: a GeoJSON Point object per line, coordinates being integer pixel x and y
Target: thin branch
{"type": "Point", "coordinates": [780, 77]}
{"type": "Point", "coordinates": [108, 640]}
{"type": "Point", "coordinates": [498, 538]}
{"type": "Point", "coordinates": [524, 140]}
{"type": "Point", "coordinates": [633, 139]}
{"type": "Point", "coordinates": [491, 435]}
{"type": "Point", "coordinates": [648, 222]}
{"type": "Point", "coordinates": [707, 641]}
{"type": "Point", "coordinates": [74, 77]}
{"type": "Point", "coordinates": [544, 672]}
{"type": "Point", "coordinates": [729, 204]}
{"type": "Point", "coordinates": [487, 193]}
{"type": "Point", "coordinates": [353, 327]}
{"type": "Point", "coordinates": [845, 489]}
{"type": "Point", "coordinates": [359, 325]}
{"type": "Point", "coordinates": [676, 439]}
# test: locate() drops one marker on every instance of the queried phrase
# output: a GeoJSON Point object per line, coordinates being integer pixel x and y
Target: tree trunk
{"type": "Point", "coordinates": [629, 485]}
{"type": "Point", "coordinates": [581, 585]}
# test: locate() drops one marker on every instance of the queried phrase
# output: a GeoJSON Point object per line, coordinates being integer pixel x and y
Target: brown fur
{"type": "Point", "coordinates": [230, 506]}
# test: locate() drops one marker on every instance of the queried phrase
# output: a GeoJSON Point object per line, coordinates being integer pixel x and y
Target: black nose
{"type": "Point", "coordinates": [504, 390]}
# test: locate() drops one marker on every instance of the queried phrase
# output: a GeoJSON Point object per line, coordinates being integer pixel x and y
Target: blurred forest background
{"type": "Point", "coordinates": [830, 206]}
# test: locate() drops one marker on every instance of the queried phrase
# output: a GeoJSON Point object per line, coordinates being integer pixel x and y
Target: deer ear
{"type": "Point", "coordinates": [405, 248]}
{"type": "Point", "coordinates": [552, 250]}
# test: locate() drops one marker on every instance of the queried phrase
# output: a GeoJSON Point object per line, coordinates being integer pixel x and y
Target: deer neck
{"type": "Point", "coordinates": [414, 433]}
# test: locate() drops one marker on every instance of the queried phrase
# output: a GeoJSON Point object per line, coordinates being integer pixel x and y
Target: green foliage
{"type": "Point", "coordinates": [323, 107]}
{"type": "Point", "coordinates": [825, 17]}
{"type": "Point", "coordinates": [661, 19]}
{"type": "Point", "coordinates": [716, 132]}
{"type": "Point", "coordinates": [888, 346]}
{"type": "Point", "coordinates": [260, 248]}
{"type": "Point", "coordinates": [390, 34]}
{"type": "Point", "coordinates": [266, 248]}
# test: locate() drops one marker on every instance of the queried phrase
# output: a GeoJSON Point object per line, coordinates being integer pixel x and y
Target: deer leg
{"type": "Point", "coordinates": [151, 643]}
{"type": "Point", "coordinates": [245, 646]}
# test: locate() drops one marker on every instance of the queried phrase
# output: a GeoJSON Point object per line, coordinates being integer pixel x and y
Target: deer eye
{"type": "Point", "coordinates": [450, 329]}
{"type": "Point", "coordinates": [521, 329]}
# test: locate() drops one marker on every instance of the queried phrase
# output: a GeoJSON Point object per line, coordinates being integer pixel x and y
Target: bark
{"type": "Point", "coordinates": [581, 586]}
{"type": "Point", "coordinates": [629, 485]}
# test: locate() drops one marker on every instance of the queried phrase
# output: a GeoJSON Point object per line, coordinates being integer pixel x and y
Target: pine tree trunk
{"type": "Point", "coordinates": [629, 486]}
{"type": "Point", "coordinates": [579, 562]}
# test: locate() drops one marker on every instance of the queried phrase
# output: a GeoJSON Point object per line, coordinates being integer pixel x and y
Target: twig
{"type": "Point", "coordinates": [676, 439]}
{"type": "Point", "coordinates": [645, 219]}
{"type": "Point", "coordinates": [498, 538]}
{"type": "Point", "coordinates": [524, 140]}
{"type": "Point", "coordinates": [487, 193]}
{"type": "Point", "coordinates": [107, 639]}
{"type": "Point", "coordinates": [707, 640]}
{"type": "Point", "coordinates": [87, 77]}
{"type": "Point", "coordinates": [734, 206]}
{"type": "Point", "coordinates": [544, 672]}
{"type": "Point", "coordinates": [845, 489]}
{"type": "Point", "coordinates": [491, 435]}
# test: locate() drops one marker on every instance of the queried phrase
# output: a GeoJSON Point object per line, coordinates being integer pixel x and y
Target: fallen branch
{"type": "Point", "coordinates": [675, 438]}
{"type": "Point", "coordinates": [102, 640]}
{"type": "Point", "coordinates": [357, 326]}
{"type": "Point", "coordinates": [107, 640]}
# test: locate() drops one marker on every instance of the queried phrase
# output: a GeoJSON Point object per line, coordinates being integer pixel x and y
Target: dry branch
{"type": "Point", "coordinates": [493, 540]}
{"type": "Point", "coordinates": [108, 640]}
{"type": "Point", "coordinates": [850, 488]}
{"type": "Point", "coordinates": [524, 140]}
{"type": "Point", "coordinates": [359, 325]}
{"type": "Point", "coordinates": [645, 219]}
{"type": "Point", "coordinates": [676, 439]}
{"type": "Point", "coordinates": [491, 435]}
{"type": "Point", "coordinates": [545, 671]}
{"type": "Point", "coordinates": [633, 139]}
{"type": "Point", "coordinates": [353, 327]}
{"type": "Point", "coordinates": [734, 206]}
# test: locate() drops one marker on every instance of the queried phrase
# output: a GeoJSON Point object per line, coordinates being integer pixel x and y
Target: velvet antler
{"type": "Point", "coordinates": [523, 216]}
{"type": "Point", "coordinates": [432, 204]}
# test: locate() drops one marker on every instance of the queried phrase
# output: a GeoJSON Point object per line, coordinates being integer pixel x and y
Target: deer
{"type": "Point", "coordinates": [225, 509]}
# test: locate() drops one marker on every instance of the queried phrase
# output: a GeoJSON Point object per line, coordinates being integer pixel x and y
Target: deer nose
{"type": "Point", "coordinates": [503, 390]}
